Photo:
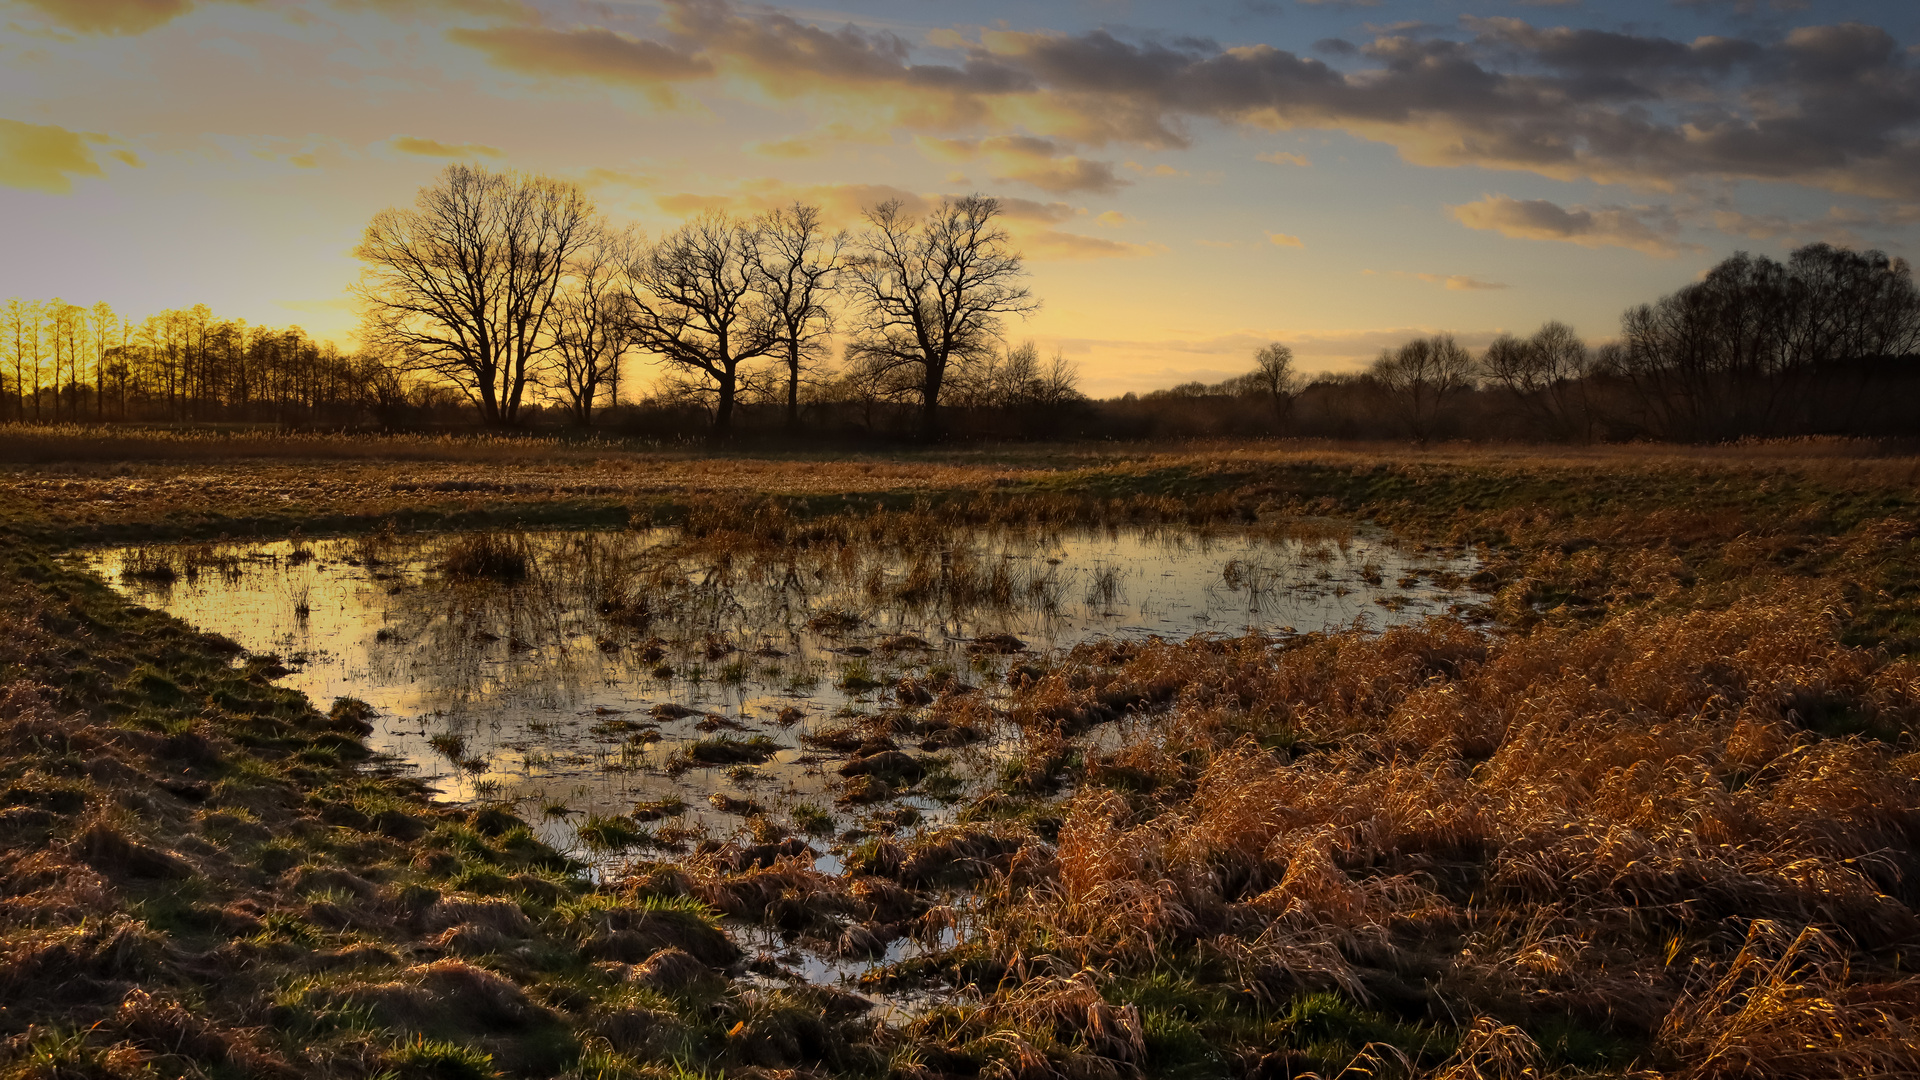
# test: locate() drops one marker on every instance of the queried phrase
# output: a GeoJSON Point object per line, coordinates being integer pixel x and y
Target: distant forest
{"type": "Point", "coordinates": [507, 301]}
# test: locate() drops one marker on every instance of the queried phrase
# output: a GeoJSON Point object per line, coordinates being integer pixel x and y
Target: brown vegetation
{"type": "Point", "coordinates": [1659, 819]}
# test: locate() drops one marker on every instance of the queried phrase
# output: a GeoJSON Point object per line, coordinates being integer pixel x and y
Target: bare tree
{"type": "Point", "coordinates": [1015, 378]}
{"type": "Point", "coordinates": [933, 291]}
{"type": "Point", "coordinates": [1547, 376]}
{"type": "Point", "coordinates": [466, 283]}
{"type": "Point", "coordinates": [796, 265]}
{"type": "Point", "coordinates": [593, 327]}
{"type": "Point", "coordinates": [20, 321]}
{"type": "Point", "coordinates": [1273, 378]}
{"type": "Point", "coordinates": [694, 304]}
{"type": "Point", "coordinates": [1420, 376]}
{"type": "Point", "coordinates": [105, 322]}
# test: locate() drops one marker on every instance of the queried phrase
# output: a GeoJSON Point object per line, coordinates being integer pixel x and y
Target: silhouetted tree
{"type": "Point", "coordinates": [694, 305]}
{"type": "Point", "coordinates": [466, 283]}
{"type": "Point", "coordinates": [1419, 377]}
{"type": "Point", "coordinates": [1014, 379]}
{"type": "Point", "coordinates": [1273, 378]}
{"type": "Point", "coordinates": [796, 266]}
{"type": "Point", "coordinates": [929, 292]}
{"type": "Point", "coordinates": [1547, 376]}
{"type": "Point", "coordinates": [593, 324]}
{"type": "Point", "coordinates": [20, 323]}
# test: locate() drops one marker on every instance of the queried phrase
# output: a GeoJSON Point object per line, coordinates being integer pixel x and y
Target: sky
{"type": "Point", "coordinates": [1186, 180]}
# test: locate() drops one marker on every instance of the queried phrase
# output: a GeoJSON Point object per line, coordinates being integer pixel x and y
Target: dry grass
{"type": "Point", "coordinates": [1637, 824]}
{"type": "Point", "coordinates": [1663, 820]}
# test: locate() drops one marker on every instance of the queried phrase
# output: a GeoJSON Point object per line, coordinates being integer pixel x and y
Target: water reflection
{"type": "Point", "coordinates": [582, 673]}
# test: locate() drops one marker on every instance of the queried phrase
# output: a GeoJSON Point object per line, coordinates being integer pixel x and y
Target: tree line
{"type": "Point", "coordinates": [505, 286]}
{"type": "Point", "coordinates": [512, 298]}
{"type": "Point", "coordinates": [65, 362]}
{"type": "Point", "coordinates": [1823, 343]}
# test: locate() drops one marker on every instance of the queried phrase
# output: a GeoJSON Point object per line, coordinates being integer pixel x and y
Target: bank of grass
{"type": "Point", "coordinates": [1661, 820]}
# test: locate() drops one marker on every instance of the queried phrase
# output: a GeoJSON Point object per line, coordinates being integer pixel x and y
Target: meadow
{"type": "Point", "coordinates": [1639, 801]}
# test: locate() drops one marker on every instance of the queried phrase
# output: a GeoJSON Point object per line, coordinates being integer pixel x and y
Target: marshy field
{"type": "Point", "coordinates": [464, 757]}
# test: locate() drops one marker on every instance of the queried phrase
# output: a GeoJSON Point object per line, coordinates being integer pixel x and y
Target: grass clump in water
{"type": "Point", "coordinates": [725, 750]}
{"type": "Point", "coordinates": [489, 556]}
{"type": "Point", "coordinates": [609, 832]}
{"type": "Point", "coordinates": [811, 819]}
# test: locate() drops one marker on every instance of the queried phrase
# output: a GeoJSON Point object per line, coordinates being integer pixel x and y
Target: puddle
{"type": "Point", "coordinates": [573, 686]}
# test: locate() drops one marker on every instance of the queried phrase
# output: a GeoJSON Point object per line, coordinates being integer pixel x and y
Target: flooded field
{"type": "Point", "coordinates": [582, 674]}
{"type": "Point", "coordinates": [986, 782]}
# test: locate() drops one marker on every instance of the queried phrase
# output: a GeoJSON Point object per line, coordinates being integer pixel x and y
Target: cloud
{"type": "Point", "coordinates": [1282, 158]}
{"type": "Point", "coordinates": [1459, 282]}
{"type": "Point", "coordinates": [796, 147]}
{"type": "Point", "coordinates": [1649, 229]}
{"type": "Point", "coordinates": [1831, 106]}
{"type": "Point", "coordinates": [1279, 239]}
{"type": "Point", "coordinates": [1838, 225]}
{"type": "Point", "coordinates": [1017, 209]}
{"type": "Point", "coordinates": [111, 16]}
{"type": "Point", "coordinates": [615, 178]}
{"type": "Point", "coordinates": [1042, 163]}
{"type": "Point", "coordinates": [1031, 223]}
{"type": "Point", "coordinates": [593, 53]}
{"type": "Point", "coordinates": [1054, 245]}
{"type": "Point", "coordinates": [1753, 226]}
{"type": "Point", "coordinates": [1835, 106]}
{"type": "Point", "coordinates": [42, 157]}
{"type": "Point", "coordinates": [819, 142]}
{"type": "Point", "coordinates": [1746, 7]}
{"type": "Point", "coordinates": [841, 205]}
{"type": "Point", "coordinates": [409, 144]}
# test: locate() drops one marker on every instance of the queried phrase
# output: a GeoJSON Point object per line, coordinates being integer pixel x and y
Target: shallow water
{"type": "Point", "coordinates": [569, 689]}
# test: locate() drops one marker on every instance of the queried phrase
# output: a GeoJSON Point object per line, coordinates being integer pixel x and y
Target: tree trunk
{"type": "Point", "coordinates": [793, 387]}
{"type": "Point", "coordinates": [489, 404]}
{"type": "Point", "coordinates": [930, 406]}
{"type": "Point", "coordinates": [723, 409]}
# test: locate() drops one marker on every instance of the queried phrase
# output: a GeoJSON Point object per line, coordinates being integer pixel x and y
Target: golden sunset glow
{"type": "Point", "coordinates": [1184, 182]}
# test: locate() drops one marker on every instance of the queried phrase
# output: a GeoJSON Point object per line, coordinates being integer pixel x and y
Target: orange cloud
{"type": "Point", "coordinates": [600, 178]}
{"type": "Point", "coordinates": [1028, 160]}
{"type": "Point", "coordinates": [1054, 245]}
{"type": "Point", "coordinates": [840, 204]}
{"type": "Point", "coordinates": [1282, 158]}
{"type": "Point", "coordinates": [1280, 239]}
{"type": "Point", "coordinates": [111, 16]}
{"type": "Point", "coordinates": [1649, 229]}
{"type": "Point", "coordinates": [409, 144]}
{"type": "Point", "coordinates": [1460, 282]}
{"type": "Point", "coordinates": [1451, 282]}
{"type": "Point", "coordinates": [1031, 223]}
{"type": "Point", "coordinates": [43, 157]}
{"type": "Point", "coordinates": [592, 53]}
